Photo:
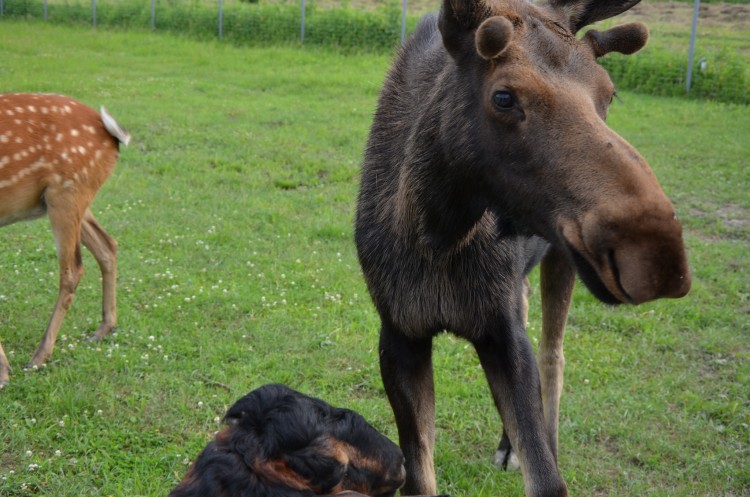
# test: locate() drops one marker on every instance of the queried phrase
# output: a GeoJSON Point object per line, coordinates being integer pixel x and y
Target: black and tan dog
{"type": "Point", "coordinates": [281, 443]}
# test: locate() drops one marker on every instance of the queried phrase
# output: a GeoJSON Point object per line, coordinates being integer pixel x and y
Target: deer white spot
{"type": "Point", "coordinates": [81, 150]}
{"type": "Point", "coordinates": [59, 137]}
{"type": "Point", "coordinates": [67, 184]}
{"type": "Point", "coordinates": [9, 112]}
{"type": "Point", "coordinates": [32, 108]}
{"type": "Point", "coordinates": [4, 138]}
{"type": "Point", "coordinates": [67, 109]}
{"type": "Point", "coordinates": [19, 110]}
{"type": "Point", "coordinates": [18, 139]}
{"type": "Point", "coordinates": [44, 110]}
{"type": "Point", "coordinates": [74, 132]}
{"type": "Point", "coordinates": [16, 157]}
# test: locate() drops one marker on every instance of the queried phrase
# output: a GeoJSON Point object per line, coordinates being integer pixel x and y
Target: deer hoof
{"type": "Point", "coordinates": [101, 333]}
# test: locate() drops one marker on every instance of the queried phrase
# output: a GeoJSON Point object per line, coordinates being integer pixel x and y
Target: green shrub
{"type": "Point", "coordinates": [723, 77]}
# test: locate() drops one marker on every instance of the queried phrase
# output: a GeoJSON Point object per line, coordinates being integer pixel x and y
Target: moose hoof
{"type": "Point", "coordinates": [506, 460]}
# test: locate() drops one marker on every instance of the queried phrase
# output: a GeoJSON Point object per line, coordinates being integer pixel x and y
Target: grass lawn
{"type": "Point", "coordinates": [233, 208]}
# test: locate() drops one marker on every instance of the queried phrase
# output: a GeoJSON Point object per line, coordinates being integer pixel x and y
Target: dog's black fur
{"type": "Point", "coordinates": [281, 443]}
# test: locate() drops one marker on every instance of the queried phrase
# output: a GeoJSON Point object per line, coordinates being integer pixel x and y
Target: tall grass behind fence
{"type": "Point", "coordinates": [721, 67]}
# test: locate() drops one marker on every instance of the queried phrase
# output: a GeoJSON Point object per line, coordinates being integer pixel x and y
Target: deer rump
{"type": "Point", "coordinates": [489, 152]}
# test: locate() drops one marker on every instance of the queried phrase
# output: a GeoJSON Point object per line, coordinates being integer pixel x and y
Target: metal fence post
{"type": "Point", "coordinates": [302, 23]}
{"type": "Point", "coordinates": [45, 10]}
{"type": "Point", "coordinates": [93, 12]}
{"type": "Point", "coordinates": [403, 21]}
{"type": "Point", "coordinates": [1, 8]}
{"type": "Point", "coordinates": [691, 54]}
{"type": "Point", "coordinates": [221, 18]}
{"type": "Point", "coordinates": [153, 15]}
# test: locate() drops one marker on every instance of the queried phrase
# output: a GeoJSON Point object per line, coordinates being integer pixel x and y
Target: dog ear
{"type": "Point", "coordinates": [321, 469]}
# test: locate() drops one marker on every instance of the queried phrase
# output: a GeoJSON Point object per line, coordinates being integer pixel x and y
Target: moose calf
{"type": "Point", "coordinates": [489, 152]}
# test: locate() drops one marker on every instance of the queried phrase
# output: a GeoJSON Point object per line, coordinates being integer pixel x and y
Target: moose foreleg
{"type": "Point", "coordinates": [509, 365]}
{"type": "Point", "coordinates": [557, 279]}
{"type": "Point", "coordinates": [406, 369]}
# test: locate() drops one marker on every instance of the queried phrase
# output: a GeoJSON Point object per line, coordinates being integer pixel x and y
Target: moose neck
{"type": "Point", "coordinates": [441, 195]}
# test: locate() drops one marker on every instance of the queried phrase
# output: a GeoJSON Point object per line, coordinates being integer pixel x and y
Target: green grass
{"type": "Point", "coordinates": [233, 208]}
{"type": "Point", "coordinates": [722, 55]}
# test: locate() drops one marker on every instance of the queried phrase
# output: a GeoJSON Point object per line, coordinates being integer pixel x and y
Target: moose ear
{"type": "Point", "coordinates": [626, 39]}
{"type": "Point", "coordinates": [493, 36]}
{"type": "Point", "coordinates": [584, 12]}
{"type": "Point", "coordinates": [458, 18]}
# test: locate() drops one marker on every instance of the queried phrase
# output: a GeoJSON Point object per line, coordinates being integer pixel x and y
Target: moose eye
{"type": "Point", "coordinates": [503, 100]}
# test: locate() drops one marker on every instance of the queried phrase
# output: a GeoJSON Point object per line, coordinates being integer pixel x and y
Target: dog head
{"type": "Point", "coordinates": [279, 442]}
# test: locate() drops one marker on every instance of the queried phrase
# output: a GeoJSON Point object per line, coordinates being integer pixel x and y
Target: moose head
{"type": "Point", "coordinates": [539, 101]}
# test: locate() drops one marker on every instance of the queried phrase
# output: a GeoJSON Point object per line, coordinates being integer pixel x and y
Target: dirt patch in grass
{"type": "Point", "coordinates": [727, 15]}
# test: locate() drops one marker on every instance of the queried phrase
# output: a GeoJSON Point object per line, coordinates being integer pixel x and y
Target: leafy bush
{"type": "Point", "coordinates": [722, 76]}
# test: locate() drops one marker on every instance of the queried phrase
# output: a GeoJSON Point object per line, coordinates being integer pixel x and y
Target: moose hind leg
{"type": "Point", "coordinates": [557, 281]}
{"type": "Point", "coordinates": [505, 457]}
{"type": "Point", "coordinates": [4, 368]}
{"type": "Point", "coordinates": [511, 371]}
{"type": "Point", "coordinates": [406, 369]}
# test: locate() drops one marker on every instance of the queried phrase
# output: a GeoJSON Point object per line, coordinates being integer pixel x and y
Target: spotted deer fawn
{"type": "Point", "coordinates": [55, 154]}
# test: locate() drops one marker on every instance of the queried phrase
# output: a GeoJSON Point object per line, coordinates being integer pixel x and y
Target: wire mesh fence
{"type": "Point", "coordinates": [719, 67]}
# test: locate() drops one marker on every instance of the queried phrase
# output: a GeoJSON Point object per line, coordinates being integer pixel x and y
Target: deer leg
{"type": "Point", "coordinates": [406, 369]}
{"type": "Point", "coordinates": [4, 368]}
{"type": "Point", "coordinates": [509, 365]}
{"type": "Point", "coordinates": [67, 229]}
{"type": "Point", "coordinates": [104, 249]}
{"type": "Point", "coordinates": [557, 281]}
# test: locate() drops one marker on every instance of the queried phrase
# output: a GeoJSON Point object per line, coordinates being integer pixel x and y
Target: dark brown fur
{"type": "Point", "coordinates": [281, 443]}
{"type": "Point", "coordinates": [489, 152]}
